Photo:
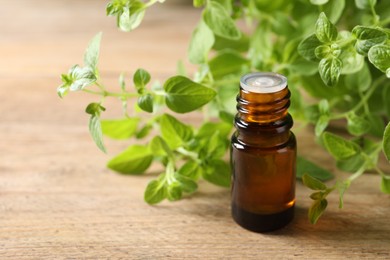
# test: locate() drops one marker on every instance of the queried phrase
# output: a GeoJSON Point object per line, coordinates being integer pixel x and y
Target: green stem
{"type": "Point", "coordinates": [194, 156]}
{"type": "Point", "coordinates": [385, 22]}
{"type": "Point", "coordinates": [373, 12]}
{"type": "Point", "coordinates": [111, 94]}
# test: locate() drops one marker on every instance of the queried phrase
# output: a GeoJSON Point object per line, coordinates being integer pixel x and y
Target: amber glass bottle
{"type": "Point", "coordinates": [263, 154]}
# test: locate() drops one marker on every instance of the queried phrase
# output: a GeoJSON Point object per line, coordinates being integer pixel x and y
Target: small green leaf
{"type": "Point", "coordinates": [367, 37]}
{"type": "Point", "coordinates": [186, 183]}
{"type": "Point", "coordinates": [219, 21]}
{"type": "Point", "coordinates": [145, 102]}
{"type": "Point", "coordinates": [334, 9]}
{"type": "Point", "coordinates": [120, 128]}
{"type": "Point", "coordinates": [351, 164]}
{"type": "Point", "coordinates": [379, 56]}
{"type": "Point", "coordinates": [330, 70]}
{"type": "Point", "coordinates": [326, 32]}
{"type": "Point", "coordinates": [318, 195]}
{"type": "Point", "coordinates": [322, 51]}
{"type": "Point", "coordinates": [317, 209]}
{"type": "Point", "coordinates": [173, 131]}
{"type": "Point", "coordinates": [94, 109]}
{"type": "Point", "coordinates": [308, 46]}
{"type": "Point", "coordinates": [201, 42]}
{"type": "Point", "coordinates": [174, 191]}
{"type": "Point", "coordinates": [190, 169]}
{"type": "Point", "coordinates": [184, 95]}
{"type": "Point", "coordinates": [159, 147]}
{"type": "Point", "coordinates": [357, 125]}
{"type": "Point", "coordinates": [80, 77]}
{"type": "Point", "coordinates": [226, 117]}
{"type": "Point", "coordinates": [218, 173]}
{"type": "Point", "coordinates": [96, 132]}
{"type": "Point", "coordinates": [199, 3]}
{"type": "Point", "coordinates": [156, 190]}
{"type": "Point", "coordinates": [319, 2]}
{"type": "Point", "coordinates": [62, 90]}
{"type": "Point", "coordinates": [360, 80]}
{"type": "Point", "coordinates": [385, 184]}
{"type": "Point", "coordinates": [307, 167]}
{"type": "Point", "coordinates": [91, 55]}
{"type": "Point", "coordinates": [352, 61]}
{"type": "Point", "coordinates": [134, 160]}
{"type": "Point", "coordinates": [338, 147]}
{"type": "Point", "coordinates": [141, 78]}
{"type": "Point", "coordinates": [342, 187]}
{"type": "Point", "coordinates": [227, 63]}
{"type": "Point", "coordinates": [131, 16]}
{"type": "Point", "coordinates": [216, 147]}
{"type": "Point", "coordinates": [365, 4]}
{"type": "Point", "coordinates": [386, 142]}
{"type": "Point", "coordinates": [321, 124]}
{"type": "Point", "coordinates": [144, 131]}
{"type": "Point", "coordinates": [241, 45]}
{"type": "Point", "coordinates": [209, 128]}
{"type": "Point", "coordinates": [313, 183]}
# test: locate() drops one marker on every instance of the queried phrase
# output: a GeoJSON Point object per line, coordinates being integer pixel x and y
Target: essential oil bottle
{"type": "Point", "coordinates": [263, 154]}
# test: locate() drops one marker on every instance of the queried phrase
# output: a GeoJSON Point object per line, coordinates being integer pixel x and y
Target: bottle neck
{"type": "Point", "coordinates": [262, 118]}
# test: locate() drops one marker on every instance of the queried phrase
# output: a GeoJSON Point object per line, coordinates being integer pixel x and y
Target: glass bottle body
{"type": "Point", "coordinates": [263, 157]}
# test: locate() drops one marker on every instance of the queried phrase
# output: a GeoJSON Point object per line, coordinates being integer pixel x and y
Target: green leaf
{"type": "Point", "coordinates": [141, 78]}
{"type": "Point", "coordinates": [62, 90]}
{"type": "Point", "coordinates": [209, 128]}
{"type": "Point", "coordinates": [317, 209]}
{"type": "Point", "coordinates": [145, 102]}
{"type": "Point", "coordinates": [386, 98]}
{"type": "Point", "coordinates": [319, 2]}
{"type": "Point", "coordinates": [351, 164]}
{"type": "Point", "coordinates": [379, 56]}
{"type": "Point", "coordinates": [313, 183]}
{"type": "Point", "coordinates": [330, 70]}
{"type": "Point", "coordinates": [307, 167]}
{"type": "Point", "coordinates": [156, 190]}
{"type": "Point", "coordinates": [134, 160]}
{"type": "Point", "coordinates": [80, 77]}
{"type": "Point", "coordinates": [326, 32]}
{"type": "Point", "coordinates": [322, 51]}
{"type": "Point", "coordinates": [365, 4]}
{"type": "Point", "coordinates": [144, 131]}
{"type": "Point", "coordinates": [186, 183]}
{"type": "Point", "coordinates": [227, 63]}
{"type": "Point", "coordinates": [216, 147]}
{"type": "Point", "coordinates": [307, 47]}
{"type": "Point", "coordinates": [359, 81]}
{"type": "Point", "coordinates": [334, 9]}
{"type": "Point", "coordinates": [120, 128]}
{"type": "Point", "coordinates": [217, 172]}
{"type": "Point", "coordinates": [352, 61]}
{"type": "Point", "coordinates": [357, 125]}
{"type": "Point", "coordinates": [241, 45]}
{"type": "Point", "coordinates": [174, 191]}
{"type": "Point", "coordinates": [184, 95]}
{"type": "Point", "coordinates": [159, 147]}
{"type": "Point", "coordinates": [201, 42]}
{"type": "Point", "coordinates": [199, 3]}
{"type": "Point", "coordinates": [318, 195]}
{"type": "Point", "coordinates": [385, 184]}
{"type": "Point", "coordinates": [94, 109]}
{"type": "Point", "coordinates": [338, 147]}
{"type": "Point", "coordinates": [131, 17]}
{"type": "Point", "coordinates": [190, 169]}
{"type": "Point", "coordinates": [342, 187]}
{"type": "Point", "coordinates": [219, 21]}
{"type": "Point", "coordinates": [367, 37]}
{"type": "Point", "coordinates": [173, 131]}
{"type": "Point", "coordinates": [226, 117]}
{"type": "Point", "coordinates": [386, 142]}
{"type": "Point", "coordinates": [96, 132]}
{"type": "Point", "coordinates": [321, 124]}
{"type": "Point", "coordinates": [91, 55]}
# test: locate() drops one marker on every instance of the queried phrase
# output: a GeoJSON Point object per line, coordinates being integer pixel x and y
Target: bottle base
{"type": "Point", "coordinates": [261, 223]}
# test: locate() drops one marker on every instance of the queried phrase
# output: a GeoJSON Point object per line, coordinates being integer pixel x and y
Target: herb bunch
{"type": "Point", "coordinates": [336, 51]}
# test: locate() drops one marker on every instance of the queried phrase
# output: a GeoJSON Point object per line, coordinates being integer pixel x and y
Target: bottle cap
{"type": "Point", "coordinates": [263, 82]}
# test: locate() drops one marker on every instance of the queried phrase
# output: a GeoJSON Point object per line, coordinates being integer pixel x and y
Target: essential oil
{"type": "Point", "coordinates": [263, 154]}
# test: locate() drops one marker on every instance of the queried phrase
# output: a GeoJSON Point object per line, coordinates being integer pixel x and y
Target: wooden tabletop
{"type": "Point", "coordinates": [58, 200]}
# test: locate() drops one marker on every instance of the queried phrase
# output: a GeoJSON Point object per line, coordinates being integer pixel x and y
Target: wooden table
{"type": "Point", "coordinates": [58, 200]}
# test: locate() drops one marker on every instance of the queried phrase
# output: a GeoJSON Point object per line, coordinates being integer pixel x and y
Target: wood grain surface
{"type": "Point", "coordinates": [58, 200]}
